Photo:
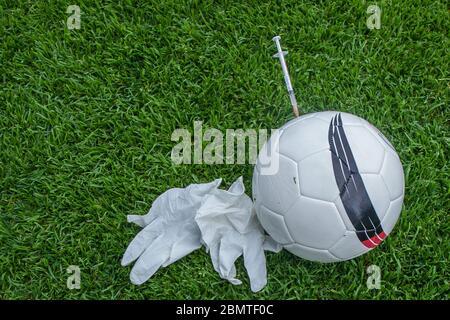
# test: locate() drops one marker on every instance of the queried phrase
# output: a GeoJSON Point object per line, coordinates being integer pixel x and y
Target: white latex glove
{"type": "Point", "coordinates": [170, 231]}
{"type": "Point", "coordinates": [230, 228]}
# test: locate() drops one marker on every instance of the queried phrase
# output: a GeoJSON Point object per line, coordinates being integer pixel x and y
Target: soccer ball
{"type": "Point", "coordinates": [337, 191]}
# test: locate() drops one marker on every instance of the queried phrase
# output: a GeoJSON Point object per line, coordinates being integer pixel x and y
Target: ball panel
{"type": "Point", "coordinates": [347, 118]}
{"type": "Point", "coordinates": [266, 194]}
{"type": "Point", "coordinates": [274, 225]}
{"type": "Point", "coordinates": [296, 120]}
{"type": "Point", "coordinates": [317, 178]}
{"type": "Point", "coordinates": [367, 151]}
{"type": "Point", "coordinates": [348, 247]}
{"type": "Point", "coordinates": [378, 193]}
{"type": "Point", "coordinates": [392, 174]}
{"type": "Point", "coordinates": [286, 183]}
{"type": "Point", "coordinates": [378, 134]}
{"type": "Point", "coordinates": [314, 223]}
{"type": "Point", "coordinates": [392, 215]}
{"type": "Point", "coordinates": [311, 253]}
{"type": "Point", "coordinates": [343, 214]}
{"type": "Point", "coordinates": [303, 139]}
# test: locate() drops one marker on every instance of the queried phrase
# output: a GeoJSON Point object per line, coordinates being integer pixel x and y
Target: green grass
{"type": "Point", "coordinates": [86, 118]}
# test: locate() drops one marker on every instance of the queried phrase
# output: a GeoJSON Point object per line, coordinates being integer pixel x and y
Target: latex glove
{"type": "Point", "coordinates": [170, 231]}
{"type": "Point", "coordinates": [230, 228]}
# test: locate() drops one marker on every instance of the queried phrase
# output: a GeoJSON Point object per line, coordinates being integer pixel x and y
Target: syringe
{"type": "Point", "coordinates": [280, 55]}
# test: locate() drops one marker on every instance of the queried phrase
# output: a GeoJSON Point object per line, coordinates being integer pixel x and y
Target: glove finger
{"type": "Point", "coordinates": [141, 221]}
{"type": "Point", "coordinates": [150, 261]}
{"type": "Point", "coordinates": [183, 246]}
{"type": "Point", "coordinates": [271, 245]}
{"type": "Point", "coordinates": [229, 251]}
{"type": "Point", "coordinates": [159, 206]}
{"type": "Point", "coordinates": [214, 254]}
{"type": "Point", "coordinates": [142, 240]}
{"type": "Point", "coordinates": [255, 264]}
{"type": "Point", "coordinates": [162, 206]}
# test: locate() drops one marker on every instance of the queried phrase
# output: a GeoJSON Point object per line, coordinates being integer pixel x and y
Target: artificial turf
{"type": "Point", "coordinates": [86, 118]}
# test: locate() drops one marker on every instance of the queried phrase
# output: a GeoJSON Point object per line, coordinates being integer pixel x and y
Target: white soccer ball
{"type": "Point", "coordinates": [337, 191]}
